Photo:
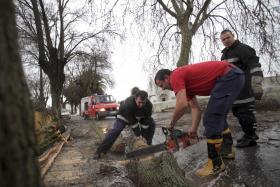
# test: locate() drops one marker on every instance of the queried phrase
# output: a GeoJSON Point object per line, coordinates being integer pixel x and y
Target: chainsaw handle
{"type": "Point", "coordinates": [165, 131]}
{"type": "Point", "coordinates": [172, 132]}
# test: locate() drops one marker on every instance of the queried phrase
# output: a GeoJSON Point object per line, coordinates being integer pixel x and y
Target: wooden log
{"type": "Point", "coordinates": [47, 158]}
{"type": "Point", "coordinates": [157, 171]}
{"type": "Point", "coordinates": [152, 171]}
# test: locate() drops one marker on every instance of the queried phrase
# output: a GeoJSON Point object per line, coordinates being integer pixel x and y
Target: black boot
{"type": "Point", "coordinates": [253, 136]}
{"type": "Point", "coordinates": [227, 150]}
{"type": "Point", "coordinates": [249, 125]}
{"type": "Point", "coordinates": [96, 156]}
{"type": "Point", "coordinates": [246, 141]}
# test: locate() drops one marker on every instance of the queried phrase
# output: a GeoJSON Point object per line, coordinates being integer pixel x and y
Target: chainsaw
{"type": "Point", "coordinates": [174, 140]}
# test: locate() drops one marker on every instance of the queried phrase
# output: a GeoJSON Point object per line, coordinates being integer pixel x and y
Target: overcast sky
{"type": "Point", "coordinates": [130, 58]}
{"type": "Point", "coordinates": [128, 69]}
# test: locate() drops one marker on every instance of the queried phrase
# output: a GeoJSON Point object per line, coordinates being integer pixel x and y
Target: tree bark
{"type": "Point", "coordinates": [18, 156]}
{"type": "Point", "coordinates": [41, 97]}
{"type": "Point", "coordinates": [57, 78]}
{"type": "Point", "coordinates": [154, 171]}
{"type": "Point", "coordinates": [54, 67]}
{"type": "Point", "coordinates": [158, 171]}
{"type": "Point", "coordinates": [186, 43]}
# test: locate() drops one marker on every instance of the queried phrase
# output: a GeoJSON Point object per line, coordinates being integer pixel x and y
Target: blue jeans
{"type": "Point", "coordinates": [119, 125]}
{"type": "Point", "coordinates": [226, 90]}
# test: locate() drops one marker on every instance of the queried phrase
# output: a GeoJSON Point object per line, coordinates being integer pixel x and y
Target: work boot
{"type": "Point", "coordinates": [96, 156]}
{"type": "Point", "coordinates": [215, 163]}
{"type": "Point", "coordinates": [254, 136]}
{"type": "Point", "coordinates": [246, 141]}
{"type": "Point", "coordinates": [227, 150]}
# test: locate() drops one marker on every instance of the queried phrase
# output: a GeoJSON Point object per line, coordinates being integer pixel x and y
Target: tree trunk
{"type": "Point", "coordinates": [18, 156]}
{"type": "Point", "coordinates": [158, 171]}
{"type": "Point", "coordinates": [72, 108]}
{"type": "Point", "coordinates": [41, 97]}
{"type": "Point", "coordinates": [75, 109]}
{"type": "Point", "coordinates": [155, 171]}
{"type": "Point", "coordinates": [57, 79]}
{"type": "Point", "coordinates": [186, 44]}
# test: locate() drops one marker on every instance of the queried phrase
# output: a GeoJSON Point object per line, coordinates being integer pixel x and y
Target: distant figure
{"type": "Point", "coordinates": [134, 90]}
{"type": "Point", "coordinates": [244, 57]}
{"type": "Point", "coordinates": [223, 82]}
{"type": "Point", "coordinates": [135, 111]}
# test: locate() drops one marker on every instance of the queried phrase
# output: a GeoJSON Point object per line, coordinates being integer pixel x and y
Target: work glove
{"type": "Point", "coordinates": [256, 84]}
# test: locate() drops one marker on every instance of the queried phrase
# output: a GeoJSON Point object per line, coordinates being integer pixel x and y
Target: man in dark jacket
{"type": "Point", "coordinates": [244, 57]}
{"type": "Point", "coordinates": [136, 112]}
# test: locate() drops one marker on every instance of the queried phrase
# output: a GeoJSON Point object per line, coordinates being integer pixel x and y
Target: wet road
{"type": "Point", "coordinates": [255, 166]}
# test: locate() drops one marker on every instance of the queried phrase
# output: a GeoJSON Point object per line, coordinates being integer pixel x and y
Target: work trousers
{"type": "Point", "coordinates": [224, 93]}
{"type": "Point", "coordinates": [246, 117]}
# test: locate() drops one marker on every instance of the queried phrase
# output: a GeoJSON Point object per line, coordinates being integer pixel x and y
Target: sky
{"type": "Point", "coordinates": [128, 59]}
{"type": "Point", "coordinates": [127, 68]}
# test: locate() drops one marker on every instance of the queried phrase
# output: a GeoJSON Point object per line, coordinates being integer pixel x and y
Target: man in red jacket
{"type": "Point", "coordinates": [223, 82]}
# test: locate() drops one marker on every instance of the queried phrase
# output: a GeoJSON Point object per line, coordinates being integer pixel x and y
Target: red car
{"type": "Point", "coordinates": [99, 106]}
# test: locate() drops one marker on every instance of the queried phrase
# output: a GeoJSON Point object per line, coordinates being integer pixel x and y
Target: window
{"type": "Point", "coordinates": [105, 99]}
{"type": "Point", "coordinates": [86, 105]}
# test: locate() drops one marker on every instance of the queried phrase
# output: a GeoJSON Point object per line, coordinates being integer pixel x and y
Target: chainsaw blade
{"type": "Point", "coordinates": [146, 151]}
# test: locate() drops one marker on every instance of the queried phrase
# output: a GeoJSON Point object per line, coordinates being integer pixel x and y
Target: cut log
{"type": "Point", "coordinates": [152, 171]}
{"type": "Point", "coordinates": [157, 171]}
{"type": "Point", "coordinates": [47, 158]}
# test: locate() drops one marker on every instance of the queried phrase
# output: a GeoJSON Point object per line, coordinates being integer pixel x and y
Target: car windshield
{"type": "Point", "coordinates": [105, 99]}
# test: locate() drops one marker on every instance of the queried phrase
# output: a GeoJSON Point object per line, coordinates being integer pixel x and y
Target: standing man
{"type": "Point", "coordinates": [136, 112]}
{"type": "Point", "coordinates": [244, 57]}
{"type": "Point", "coordinates": [223, 82]}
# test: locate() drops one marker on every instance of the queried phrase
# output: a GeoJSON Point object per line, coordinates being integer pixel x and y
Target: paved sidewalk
{"type": "Point", "coordinates": [72, 166]}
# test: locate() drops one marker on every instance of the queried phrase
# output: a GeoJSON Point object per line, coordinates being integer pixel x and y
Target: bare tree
{"type": "Point", "coordinates": [73, 95]}
{"type": "Point", "coordinates": [178, 22]}
{"type": "Point", "coordinates": [39, 86]}
{"type": "Point", "coordinates": [52, 26]}
{"type": "Point", "coordinates": [91, 71]}
{"type": "Point", "coordinates": [17, 138]}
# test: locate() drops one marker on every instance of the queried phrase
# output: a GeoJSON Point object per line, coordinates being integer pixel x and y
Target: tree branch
{"type": "Point", "coordinates": [173, 14]}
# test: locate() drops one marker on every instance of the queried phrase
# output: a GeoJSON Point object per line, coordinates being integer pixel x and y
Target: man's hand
{"type": "Point", "coordinates": [256, 84]}
{"type": "Point", "coordinates": [171, 127]}
{"type": "Point", "coordinates": [192, 132]}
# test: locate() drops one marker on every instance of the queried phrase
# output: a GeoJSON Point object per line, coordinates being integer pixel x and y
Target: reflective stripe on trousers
{"type": "Point", "coordinates": [243, 101]}
{"type": "Point", "coordinates": [140, 126]}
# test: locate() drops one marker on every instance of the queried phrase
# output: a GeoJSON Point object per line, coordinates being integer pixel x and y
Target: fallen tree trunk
{"type": "Point", "coordinates": [47, 158]}
{"type": "Point", "coordinates": [152, 171]}
{"type": "Point", "coordinates": [159, 171]}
